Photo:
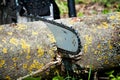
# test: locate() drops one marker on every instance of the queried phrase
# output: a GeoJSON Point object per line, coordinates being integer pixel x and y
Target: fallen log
{"type": "Point", "coordinates": [100, 40]}
{"type": "Point", "coordinates": [28, 47]}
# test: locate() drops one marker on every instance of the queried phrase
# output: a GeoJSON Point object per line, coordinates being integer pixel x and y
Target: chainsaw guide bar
{"type": "Point", "coordinates": [67, 38]}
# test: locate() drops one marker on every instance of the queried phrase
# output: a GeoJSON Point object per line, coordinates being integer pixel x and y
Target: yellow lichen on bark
{"type": "Point", "coordinates": [9, 33]}
{"type": "Point", "coordinates": [1, 28]}
{"type": "Point", "coordinates": [85, 47]}
{"type": "Point", "coordinates": [99, 46]}
{"type": "Point", "coordinates": [117, 15]}
{"type": "Point", "coordinates": [14, 59]}
{"type": "Point", "coordinates": [4, 50]}
{"type": "Point", "coordinates": [14, 41]}
{"type": "Point", "coordinates": [35, 65]}
{"type": "Point", "coordinates": [28, 56]}
{"type": "Point", "coordinates": [109, 44]}
{"type": "Point", "coordinates": [34, 33]}
{"type": "Point", "coordinates": [21, 26]}
{"type": "Point", "coordinates": [106, 62]}
{"type": "Point", "coordinates": [88, 40]}
{"type": "Point", "coordinates": [97, 52]}
{"type": "Point", "coordinates": [112, 17]}
{"type": "Point", "coordinates": [15, 64]}
{"type": "Point", "coordinates": [1, 45]}
{"type": "Point", "coordinates": [4, 40]}
{"type": "Point", "coordinates": [25, 46]}
{"type": "Point", "coordinates": [105, 25]}
{"type": "Point", "coordinates": [7, 77]}
{"type": "Point", "coordinates": [51, 38]}
{"type": "Point", "coordinates": [25, 66]}
{"type": "Point", "coordinates": [2, 62]}
{"type": "Point", "coordinates": [40, 51]}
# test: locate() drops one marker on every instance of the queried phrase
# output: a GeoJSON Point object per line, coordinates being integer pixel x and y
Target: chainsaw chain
{"type": "Point", "coordinates": [63, 26]}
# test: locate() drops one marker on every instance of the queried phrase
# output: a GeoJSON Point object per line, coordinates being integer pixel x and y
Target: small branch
{"type": "Point", "coordinates": [58, 61]}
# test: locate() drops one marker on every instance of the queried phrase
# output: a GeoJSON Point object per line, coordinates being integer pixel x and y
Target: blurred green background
{"type": "Point", "coordinates": [89, 7]}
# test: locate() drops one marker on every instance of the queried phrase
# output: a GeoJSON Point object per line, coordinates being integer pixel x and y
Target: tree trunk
{"type": "Point", "coordinates": [100, 39]}
{"type": "Point", "coordinates": [27, 47]}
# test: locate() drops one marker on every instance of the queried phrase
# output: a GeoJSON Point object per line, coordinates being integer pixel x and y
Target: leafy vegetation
{"type": "Point", "coordinates": [62, 7]}
{"type": "Point", "coordinates": [112, 76]}
{"type": "Point", "coordinates": [89, 7]}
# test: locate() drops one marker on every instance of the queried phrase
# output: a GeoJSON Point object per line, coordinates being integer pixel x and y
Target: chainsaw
{"type": "Point", "coordinates": [67, 38]}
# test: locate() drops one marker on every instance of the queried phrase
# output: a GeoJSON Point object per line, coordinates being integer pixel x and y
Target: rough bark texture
{"type": "Point", "coordinates": [100, 39]}
{"type": "Point", "coordinates": [28, 47]}
{"type": "Point", "coordinates": [24, 48]}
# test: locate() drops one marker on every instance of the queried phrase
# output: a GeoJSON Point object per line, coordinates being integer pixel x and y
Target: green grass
{"type": "Point", "coordinates": [112, 76]}
{"type": "Point", "coordinates": [90, 71]}
{"type": "Point", "coordinates": [68, 77]}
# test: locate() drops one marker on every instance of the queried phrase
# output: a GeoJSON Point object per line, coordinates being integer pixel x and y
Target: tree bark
{"type": "Point", "coordinates": [100, 40]}
{"type": "Point", "coordinates": [24, 48]}
{"type": "Point", "coordinates": [27, 47]}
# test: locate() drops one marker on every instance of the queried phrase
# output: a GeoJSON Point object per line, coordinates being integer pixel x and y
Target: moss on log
{"type": "Point", "coordinates": [28, 47]}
